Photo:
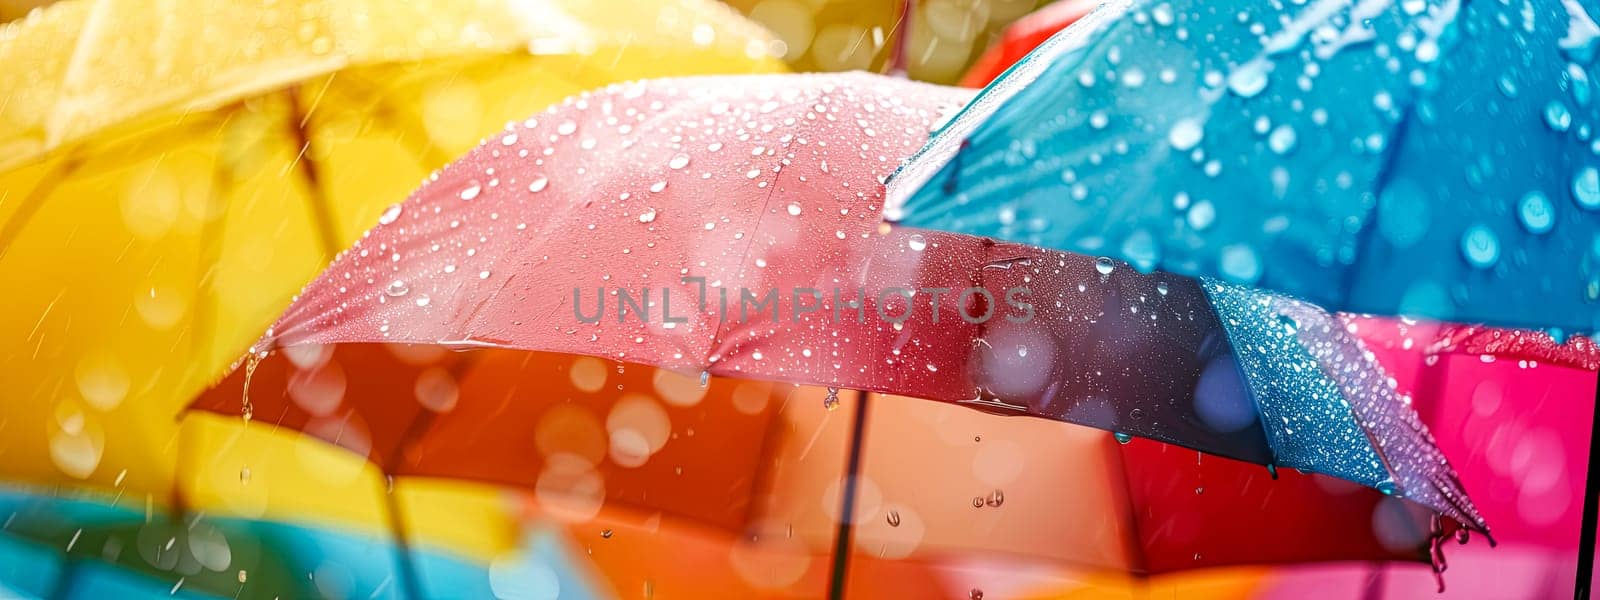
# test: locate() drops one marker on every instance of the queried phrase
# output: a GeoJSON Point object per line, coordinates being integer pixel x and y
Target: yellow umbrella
{"type": "Point", "coordinates": [172, 171]}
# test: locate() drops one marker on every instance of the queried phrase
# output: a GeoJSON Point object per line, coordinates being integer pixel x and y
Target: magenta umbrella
{"type": "Point", "coordinates": [732, 227]}
{"type": "Point", "coordinates": [1512, 409]}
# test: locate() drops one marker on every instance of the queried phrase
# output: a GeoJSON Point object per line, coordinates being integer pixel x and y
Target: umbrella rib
{"type": "Point", "coordinates": [1136, 551]}
{"type": "Point", "coordinates": [321, 211]}
{"type": "Point", "coordinates": [32, 202]}
{"type": "Point", "coordinates": [847, 502]}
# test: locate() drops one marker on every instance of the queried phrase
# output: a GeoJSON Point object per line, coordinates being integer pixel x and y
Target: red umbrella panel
{"type": "Point", "coordinates": [1022, 36]}
{"type": "Point", "coordinates": [731, 227]}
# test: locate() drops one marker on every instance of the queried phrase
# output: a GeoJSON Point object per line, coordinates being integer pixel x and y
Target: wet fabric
{"type": "Point", "coordinates": [521, 242]}
{"type": "Point", "coordinates": [1424, 158]}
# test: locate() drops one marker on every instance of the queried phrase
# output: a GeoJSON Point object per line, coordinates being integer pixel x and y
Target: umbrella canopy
{"type": "Point", "coordinates": [505, 249]}
{"type": "Point", "coordinates": [172, 174]}
{"type": "Point", "coordinates": [1355, 155]}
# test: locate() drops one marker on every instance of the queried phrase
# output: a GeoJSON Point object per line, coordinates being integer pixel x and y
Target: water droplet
{"type": "Point", "coordinates": [1282, 139]}
{"type": "Point", "coordinates": [397, 288]}
{"type": "Point", "coordinates": [1249, 79]}
{"type": "Point", "coordinates": [508, 139]}
{"type": "Point", "coordinates": [1161, 287]}
{"type": "Point", "coordinates": [1586, 188]}
{"type": "Point", "coordinates": [917, 242]}
{"type": "Point", "coordinates": [1185, 134]}
{"type": "Point", "coordinates": [1557, 116]}
{"type": "Point", "coordinates": [831, 401]}
{"type": "Point", "coordinates": [1480, 246]}
{"type": "Point", "coordinates": [1240, 264]}
{"type": "Point", "coordinates": [794, 210]}
{"type": "Point", "coordinates": [1122, 438]}
{"type": "Point", "coordinates": [1536, 213]}
{"type": "Point", "coordinates": [422, 300]}
{"type": "Point", "coordinates": [977, 501]}
{"type": "Point", "coordinates": [1104, 266]}
{"type": "Point", "coordinates": [606, 534]}
{"type": "Point", "coordinates": [648, 215]}
{"type": "Point", "coordinates": [678, 162]}
{"type": "Point", "coordinates": [538, 183]}
{"type": "Point", "coordinates": [244, 475]}
{"type": "Point", "coordinates": [471, 191]}
{"type": "Point", "coordinates": [996, 498]}
{"type": "Point", "coordinates": [1272, 470]}
{"type": "Point", "coordinates": [1201, 215]}
{"type": "Point", "coordinates": [894, 518]}
{"type": "Point", "coordinates": [658, 186]}
{"type": "Point", "coordinates": [1288, 323]}
{"type": "Point", "coordinates": [390, 214]}
{"type": "Point", "coordinates": [975, 594]}
{"type": "Point", "coordinates": [566, 128]}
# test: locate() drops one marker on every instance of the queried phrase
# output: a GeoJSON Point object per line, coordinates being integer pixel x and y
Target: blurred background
{"type": "Point", "coordinates": [832, 35]}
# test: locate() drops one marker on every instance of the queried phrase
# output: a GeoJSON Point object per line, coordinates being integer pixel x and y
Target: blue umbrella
{"type": "Point", "coordinates": [1425, 157]}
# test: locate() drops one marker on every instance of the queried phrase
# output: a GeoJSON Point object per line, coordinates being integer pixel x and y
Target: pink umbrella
{"type": "Point", "coordinates": [1513, 411]}
{"type": "Point", "coordinates": [732, 227]}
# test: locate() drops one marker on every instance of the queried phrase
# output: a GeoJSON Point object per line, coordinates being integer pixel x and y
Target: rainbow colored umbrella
{"type": "Point", "coordinates": [501, 254]}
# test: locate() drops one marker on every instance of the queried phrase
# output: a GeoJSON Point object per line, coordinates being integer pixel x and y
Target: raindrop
{"type": "Point", "coordinates": [538, 183]}
{"type": "Point", "coordinates": [831, 401]}
{"type": "Point", "coordinates": [1586, 188]}
{"type": "Point", "coordinates": [658, 186]}
{"type": "Point", "coordinates": [1536, 213]}
{"type": "Point", "coordinates": [977, 501]}
{"type": "Point", "coordinates": [649, 215]}
{"type": "Point", "coordinates": [705, 378]}
{"type": "Point", "coordinates": [917, 242]}
{"type": "Point", "coordinates": [1185, 134]}
{"type": "Point", "coordinates": [1557, 116]}
{"type": "Point", "coordinates": [975, 594]}
{"type": "Point", "coordinates": [894, 518]}
{"type": "Point", "coordinates": [1104, 266]}
{"type": "Point", "coordinates": [1161, 287]}
{"type": "Point", "coordinates": [566, 128]}
{"type": "Point", "coordinates": [422, 301]}
{"type": "Point", "coordinates": [1202, 215]}
{"type": "Point", "coordinates": [1122, 438]}
{"type": "Point", "coordinates": [752, 173]}
{"type": "Point", "coordinates": [606, 534]}
{"type": "Point", "coordinates": [1249, 79]}
{"type": "Point", "coordinates": [678, 162]}
{"type": "Point", "coordinates": [1282, 139]}
{"type": "Point", "coordinates": [471, 191]}
{"type": "Point", "coordinates": [1480, 246]}
{"type": "Point", "coordinates": [996, 498]}
{"type": "Point", "coordinates": [509, 139]}
{"type": "Point", "coordinates": [389, 215]}
{"type": "Point", "coordinates": [397, 288]}
{"type": "Point", "coordinates": [1288, 323]}
{"type": "Point", "coordinates": [244, 475]}
{"type": "Point", "coordinates": [794, 210]}
{"type": "Point", "coordinates": [1240, 263]}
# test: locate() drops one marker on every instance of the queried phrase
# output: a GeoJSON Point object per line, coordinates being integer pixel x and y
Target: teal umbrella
{"type": "Point", "coordinates": [1426, 157]}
